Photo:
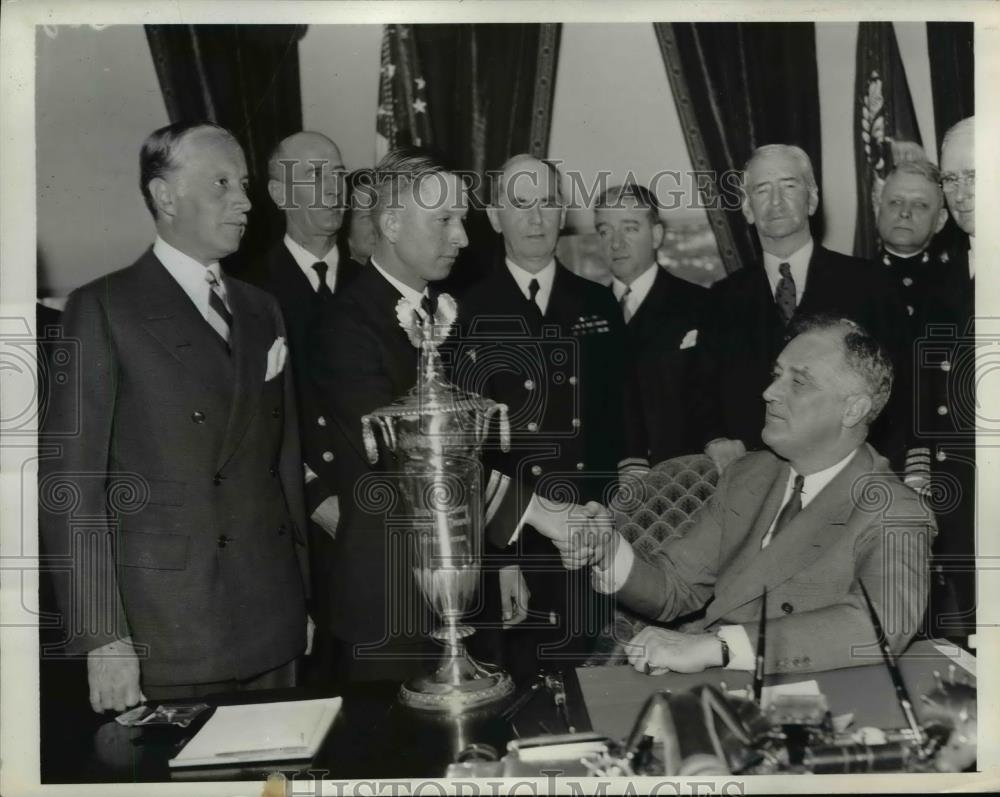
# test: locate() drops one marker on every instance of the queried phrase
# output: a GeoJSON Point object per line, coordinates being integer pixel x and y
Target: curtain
{"type": "Point", "coordinates": [883, 118]}
{"type": "Point", "coordinates": [477, 93]}
{"type": "Point", "coordinates": [246, 79]}
{"type": "Point", "coordinates": [738, 86]}
{"type": "Point", "coordinates": [950, 48]}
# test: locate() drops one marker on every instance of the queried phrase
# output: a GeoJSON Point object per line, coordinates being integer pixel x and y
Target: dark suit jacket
{"type": "Point", "coordinates": [186, 477]}
{"type": "Point", "coordinates": [562, 379]}
{"type": "Point", "coordinates": [659, 421]}
{"type": "Point", "coordinates": [864, 526]}
{"type": "Point", "coordinates": [745, 334]}
{"type": "Point", "coordinates": [361, 359]}
{"type": "Point", "coordinates": [302, 309]}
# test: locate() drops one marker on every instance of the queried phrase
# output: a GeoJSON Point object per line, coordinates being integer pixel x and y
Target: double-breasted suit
{"type": "Point", "coordinates": [183, 518]}
{"type": "Point", "coordinates": [661, 341]}
{"type": "Point", "coordinates": [745, 333]}
{"type": "Point", "coordinates": [561, 375]}
{"type": "Point", "coordinates": [360, 360]}
{"type": "Point", "coordinates": [864, 526]}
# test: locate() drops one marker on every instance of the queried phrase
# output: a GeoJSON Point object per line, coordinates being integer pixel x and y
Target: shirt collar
{"type": "Point", "coordinates": [814, 483]}
{"type": "Point", "coordinates": [545, 279]}
{"type": "Point", "coordinates": [972, 256]}
{"type": "Point", "coordinates": [306, 260]}
{"type": "Point", "coordinates": [186, 271]}
{"type": "Point", "coordinates": [904, 257]}
{"type": "Point", "coordinates": [641, 287]}
{"type": "Point", "coordinates": [799, 263]}
{"type": "Point", "coordinates": [413, 296]}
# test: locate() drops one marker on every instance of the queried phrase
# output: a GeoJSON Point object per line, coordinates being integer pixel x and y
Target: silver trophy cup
{"type": "Point", "coordinates": [435, 433]}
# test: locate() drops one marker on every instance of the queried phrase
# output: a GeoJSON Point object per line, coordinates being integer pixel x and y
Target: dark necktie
{"type": "Point", "coordinates": [791, 508]}
{"type": "Point", "coordinates": [323, 291]}
{"type": "Point", "coordinates": [784, 294]}
{"type": "Point", "coordinates": [429, 303]}
{"type": "Point", "coordinates": [533, 288]}
{"type": "Point", "coordinates": [219, 316]}
{"type": "Point", "coordinates": [623, 303]}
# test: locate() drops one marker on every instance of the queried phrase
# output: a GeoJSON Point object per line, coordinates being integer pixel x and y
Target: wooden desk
{"type": "Point", "coordinates": [613, 696]}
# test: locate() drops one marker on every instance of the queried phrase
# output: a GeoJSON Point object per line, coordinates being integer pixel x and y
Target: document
{"type": "Point", "coordinates": [260, 732]}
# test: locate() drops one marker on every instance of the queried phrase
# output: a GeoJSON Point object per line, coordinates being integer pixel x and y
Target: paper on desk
{"type": "Point", "coordinates": [260, 732]}
{"type": "Point", "coordinates": [770, 692]}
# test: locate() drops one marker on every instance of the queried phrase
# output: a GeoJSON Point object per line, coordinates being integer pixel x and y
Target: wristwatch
{"type": "Point", "coordinates": [725, 650]}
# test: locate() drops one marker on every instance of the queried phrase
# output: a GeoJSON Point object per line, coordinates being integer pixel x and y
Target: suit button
{"type": "Point", "coordinates": [907, 282]}
{"type": "Point", "coordinates": [223, 540]}
{"type": "Point", "coordinates": [328, 456]}
{"type": "Point", "coordinates": [198, 416]}
{"type": "Point", "coordinates": [275, 413]}
{"type": "Point", "coordinates": [941, 456]}
{"type": "Point", "coordinates": [572, 380]}
{"type": "Point", "coordinates": [529, 384]}
{"type": "Point", "coordinates": [536, 470]}
{"type": "Point", "coordinates": [787, 608]}
{"type": "Point", "coordinates": [321, 421]}
{"type": "Point", "coordinates": [532, 427]}
{"type": "Point", "coordinates": [579, 466]}
{"type": "Point", "coordinates": [217, 479]}
{"type": "Point", "coordinates": [281, 531]}
{"type": "Point", "coordinates": [945, 365]}
{"type": "Point", "coordinates": [575, 423]}
{"type": "Point", "coordinates": [942, 410]}
{"type": "Point", "coordinates": [909, 309]}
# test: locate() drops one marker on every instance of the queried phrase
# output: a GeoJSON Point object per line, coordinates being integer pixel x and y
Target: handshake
{"type": "Point", "coordinates": [584, 535]}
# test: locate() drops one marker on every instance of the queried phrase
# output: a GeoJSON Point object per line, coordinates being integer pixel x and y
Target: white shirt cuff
{"type": "Point", "coordinates": [741, 652]}
{"type": "Point", "coordinates": [613, 578]}
{"type": "Point", "coordinates": [531, 507]}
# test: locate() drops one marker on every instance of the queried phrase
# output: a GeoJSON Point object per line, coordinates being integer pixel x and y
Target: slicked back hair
{"type": "Point", "coordinates": [864, 356]}
{"type": "Point", "coordinates": [157, 156]}
{"type": "Point", "coordinates": [615, 196]}
{"type": "Point", "coordinates": [497, 181]}
{"type": "Point", "coordinates": [798, 154]}
{"type": "Point", "coordinates": [401, 170]}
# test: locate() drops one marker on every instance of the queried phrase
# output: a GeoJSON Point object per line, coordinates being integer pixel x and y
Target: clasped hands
{"type": "Point", "coordinates": [583, 535]}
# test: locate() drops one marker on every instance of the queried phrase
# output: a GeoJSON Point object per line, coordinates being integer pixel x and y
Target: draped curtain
{"type": "Point", "coordinates": [479, 93]}
{"type": "Point", "coordinates": [950, 48]}
{"type": "Point", "coordinates": [738, 86]}
{"type": "Point", "coordinates": [244, 78]}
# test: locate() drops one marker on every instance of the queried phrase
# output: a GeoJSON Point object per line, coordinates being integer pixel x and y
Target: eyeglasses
{"type": "Point", "coordinates": [951, 180]}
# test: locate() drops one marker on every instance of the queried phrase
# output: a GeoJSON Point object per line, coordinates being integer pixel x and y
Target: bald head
{"type": "Point", "coordinates": [305, 180]}
{"type": "Point", "coordinates": [528, 210]}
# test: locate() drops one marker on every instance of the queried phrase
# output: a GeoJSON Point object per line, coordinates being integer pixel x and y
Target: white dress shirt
{"type": "Point", "coordinates": [306, 260]}
{"type": "Point", "coordinates": [972, 256]}
{"type": "Point", "coordinates": [414, 296]}
{"type": "Point", "coordinates": [640, 286]}
{"type": "Point", "coordinates": [741, 651]}
{"type": "Point", "coordinates": [545, 278]}
{"type": "Point", "coordinates": [189, 274]}
{"type": "Point", "coordinates": [798, 262]}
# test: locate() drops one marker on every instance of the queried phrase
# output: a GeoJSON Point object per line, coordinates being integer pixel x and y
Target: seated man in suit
{"type": "Point", "coordinates": [303, 271]}
{"type": "Point", "coordinates": [750, 310]}
{"type": "Point", "coordinates": [662, 314]}
{"type": "Point", "coordinates": [809, 521]}
{"type": "Point", "coordinates": [361, 359]}
{"type": "Point", "coordinates": [186, 536]}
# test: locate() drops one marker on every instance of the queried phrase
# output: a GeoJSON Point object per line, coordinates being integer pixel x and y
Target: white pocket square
{"type": "Point", "coordinates": [690, 339]}
{"type": "Point", "coordinates": [276, 359]}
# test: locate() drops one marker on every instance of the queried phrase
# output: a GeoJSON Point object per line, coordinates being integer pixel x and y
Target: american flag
{"type": "Point", "coordinates": [402, 117]}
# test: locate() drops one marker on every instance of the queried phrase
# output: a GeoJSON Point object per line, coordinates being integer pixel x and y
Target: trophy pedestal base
{"type": "Point", "coordinates": [459, 684]}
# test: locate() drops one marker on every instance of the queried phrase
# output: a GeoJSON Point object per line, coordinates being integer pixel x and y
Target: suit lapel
{"type": "Point", "coordinates": [804, 540]}
{"type": "Point", "coordinates": [250, 346]}
{"type": "Point", "coordinates": [171, 318]}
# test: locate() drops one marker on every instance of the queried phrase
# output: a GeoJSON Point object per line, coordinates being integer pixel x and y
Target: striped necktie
{"type": "Point", "coordinates": [218, 313]}
{"type": "Point", "coordinates": [623, 303]}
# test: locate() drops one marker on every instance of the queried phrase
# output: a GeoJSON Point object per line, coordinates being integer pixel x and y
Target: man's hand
{"type": "Point", "coordinates": [654, 651]}
{"type": "Point", "coordinates": [327, 515]}
{"type": "Point", "coordinates": [723, 451]}
{"type": "Point", "coordinates": [113, 676]}
{"type": "Point", "coordinates": [514, 595]}
{"type": "Point", "coordinates": [583, 535]}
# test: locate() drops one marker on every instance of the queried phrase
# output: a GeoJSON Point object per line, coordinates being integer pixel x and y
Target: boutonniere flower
{"type": "Point", "coordinates": [414, 321]}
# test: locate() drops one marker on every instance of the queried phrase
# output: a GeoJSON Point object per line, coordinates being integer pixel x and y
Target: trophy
{"type": "Point", "coordinates": [435, 433]}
